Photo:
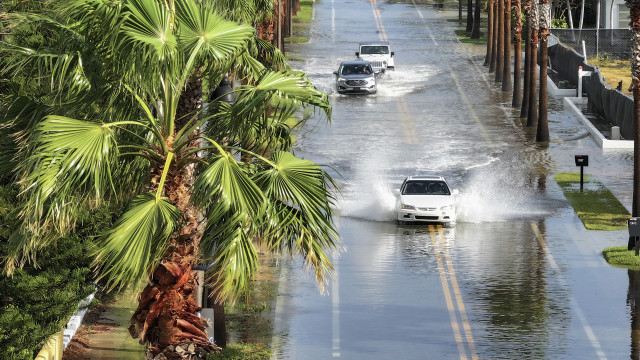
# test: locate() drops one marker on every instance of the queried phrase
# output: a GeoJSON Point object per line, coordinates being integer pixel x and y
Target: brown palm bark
{"type": "Point", "coordinates": [634, 14]}
{"type": "Point", "coordinates": [501, 35]}
{"type": "Point", "coordinates": [487, 58]}
{"type": "Point", "coordinates": [494, 39]}
{"type": "Point", "coordinates": [517, 55]}
{"type": "Point", "coordinates": [532, 115]}
{"type": "Point", "coordinates": [542, 133]}
{"type": "Point", "coordinates": [524, 110]}
{"type": "Point", "coordinates": [166, 317]}
{"type": "Point", "coordinates": [469, 16]}
{"type": "Point", "coordinates": [507, 84]}
{"type": "Point", "coordinates": [475, 33]}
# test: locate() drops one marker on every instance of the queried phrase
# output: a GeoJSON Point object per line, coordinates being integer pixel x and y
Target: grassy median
{"type": "Point", "coordinates": [595, 205]}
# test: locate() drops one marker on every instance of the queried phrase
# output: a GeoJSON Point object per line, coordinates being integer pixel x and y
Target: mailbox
{"type": "Point", "coordinates": [582, 160]}
{"type": "Point", "coordinates": [634, 227]}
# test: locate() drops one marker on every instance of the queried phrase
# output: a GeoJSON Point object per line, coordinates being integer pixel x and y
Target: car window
{"type": "Point", "coordinates": [425, 188]}
{"type": "Point", "coordinates": [368, 50]}
{"type": "Point", "coordinates": [356, 69]}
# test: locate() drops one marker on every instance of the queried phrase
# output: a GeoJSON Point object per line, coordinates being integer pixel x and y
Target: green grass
{"type": "Point", "coordinates": [465, 39]}
{"type": "Point", "coordinates": [304, 15]}
{"type": "Point", "coordinates": [242, 352]}
{"type": "Point", "coordinates": [596, 206]}
{"type": "Point", "coordinates": [619, 256]}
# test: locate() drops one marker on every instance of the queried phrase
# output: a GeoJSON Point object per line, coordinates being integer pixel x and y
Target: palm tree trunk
{"type": "Point", "coordinates": [542, 134]}
{"type": "Point", "coordinates": [494, 39]}
{"type": "Point", "coordinates": [501, 35]}
{"type": "Point", "coordinates": [469, 16]}
{"type": "Point", "coordinates": [487, 58]}
{"type": "Point", "coordinates": [166, 317]}
{"type": "Point", "coordinates": [507, 84]}
{"type": "Point", "coordinates": [634, 13]}
{"type": "Point", "coordinates": [475, 33]}
{"type": "Point", "coordinates": [532, 114]}
{"type": "Point", "coordinates": [524, 110]}
{"type": "Point", "coordinates": [517, 53]}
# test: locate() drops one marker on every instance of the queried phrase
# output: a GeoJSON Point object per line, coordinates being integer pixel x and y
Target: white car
{"type": "Point", "coordinates": [426, 199]}
{"type": "Point", "coordinates": [378, 53]}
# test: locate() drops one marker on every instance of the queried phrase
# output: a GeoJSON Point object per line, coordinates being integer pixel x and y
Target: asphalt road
{"type": "Point", "coordinates": [518, 277]}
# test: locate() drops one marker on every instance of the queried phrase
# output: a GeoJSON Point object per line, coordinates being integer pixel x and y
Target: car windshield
{"type": "Point", "coordinates": [356, 69]}
{"type": "Point", "coordinates": [374, 49]}
{"type": "Point", "coordinates": [425, 187]}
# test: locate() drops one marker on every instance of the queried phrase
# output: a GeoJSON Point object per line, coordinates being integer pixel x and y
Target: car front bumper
{"type": "Point", "coordinates": [344, 89]}
{"type": "Point", "coordinates": [433, 216]}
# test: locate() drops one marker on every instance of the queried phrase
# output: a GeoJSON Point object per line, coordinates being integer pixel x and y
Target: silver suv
{"type": "Point", "coordinates": [378, 53]}
{"type": "Point", "coordinates": [355, 77]}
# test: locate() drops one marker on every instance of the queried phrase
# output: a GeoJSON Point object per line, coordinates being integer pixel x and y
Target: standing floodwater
{"type": "Point", "coordinates": [517, 277]}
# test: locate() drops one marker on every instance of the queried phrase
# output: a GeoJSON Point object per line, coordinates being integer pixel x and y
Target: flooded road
{"type": "Point", "coordinates": [518, 277]}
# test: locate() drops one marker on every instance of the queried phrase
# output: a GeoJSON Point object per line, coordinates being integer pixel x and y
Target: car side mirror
{"type": "Point", "coordinates": [396, 191]}
{"type": "Point", "coordinates": [357, 54]}
{"type": "Point", "coordinates": [335, 73]}
{"type": "Point", "coordinates": [392, 53]}
{"type": "Point", "coordinates": [455, 192]}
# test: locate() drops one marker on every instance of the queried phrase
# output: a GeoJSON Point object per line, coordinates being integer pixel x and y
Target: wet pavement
{"type": "Point", "coordinates": [518, 277]}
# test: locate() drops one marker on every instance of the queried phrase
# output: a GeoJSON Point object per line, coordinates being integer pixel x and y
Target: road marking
{"type": "Point", "coordinates": [574, 303]}
{"type": "Point", "coordinates": [376, 14]}
{"type": "Point", "coordinates": [335, 304]}
{"type": "Point", "coordinates": [458, 295]}
{"type": "Point", "coordinates": [447, 296]}
{"type": "Point", "coordinates": [408, 128]}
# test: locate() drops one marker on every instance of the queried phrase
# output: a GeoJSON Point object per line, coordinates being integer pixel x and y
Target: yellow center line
{"type": "Point", "coordinates": [456, 290]}
{"type": "Point", "coordinates": [376, 14]}
{"type": "Point", "coordinates": [447, 295]}
{"type": "Point", "coordinates": [407, 122]}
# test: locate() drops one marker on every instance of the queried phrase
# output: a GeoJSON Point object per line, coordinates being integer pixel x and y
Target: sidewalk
{"type": "Point", "coordinates": [104, 335]}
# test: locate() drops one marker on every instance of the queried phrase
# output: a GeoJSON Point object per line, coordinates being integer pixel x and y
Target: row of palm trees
{"type": "Point", "coordinates": [538, 21]}
{"type": "Point", "coordinates": [103, 103]}
{"type": "Point", "coordinates": [501, 36]}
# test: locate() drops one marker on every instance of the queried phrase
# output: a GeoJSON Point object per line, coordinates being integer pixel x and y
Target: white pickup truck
{"type": "Point", "coordinates": [378, 53]}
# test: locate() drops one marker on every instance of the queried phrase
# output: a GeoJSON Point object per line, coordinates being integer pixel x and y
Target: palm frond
{"type": "Point", "coordinates": [127, 253]}
{"type": "Point", "coordinates": [201, 28]}
{"type": "Point", "coordinates": [224, 181]}
{"type": "Point", "coordinates": [71, 162]}
{"type": "Point", "coordinates": [148, 26]}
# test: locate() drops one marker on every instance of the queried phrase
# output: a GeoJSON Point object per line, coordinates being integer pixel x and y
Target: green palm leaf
{"type": "Point", "coordinates": [71, 162]}
{"type": "Point", "coordinates": [149, 27]}
{"type": "Point", "coordinates": [225, 182]}
{"type": "Point", "coordinates": [203, 31]}
{"type": "Point", "coordinates": [128, 252]}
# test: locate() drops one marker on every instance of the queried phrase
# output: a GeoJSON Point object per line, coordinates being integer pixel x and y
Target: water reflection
{"type": "Point", "coordinates": [633, 300]}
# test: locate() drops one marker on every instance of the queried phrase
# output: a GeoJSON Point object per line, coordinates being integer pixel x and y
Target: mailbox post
{"type": "Point", "coordinates": [582, 161]}
{"type": "Point", "coordinates": [634, 234]}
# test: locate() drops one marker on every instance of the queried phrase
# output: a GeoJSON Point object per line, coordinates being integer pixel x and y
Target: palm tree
{"type": "Point", "coordinates": [490, 19]}
{"type": "Point", "coordinates": [500, 37]}
{"type": "Point", "coordinates": [544, 13]}
{"type": "Point", "coordinates": [118, 121]}
{"type": "Point", "coordinates": [517, 53]}
{"type": "Point", "coordinates": [532, 19]}
{"type": "Point", "coordinates": [634, 14]}
{"type": "Point", "coordinates": [507, 84]}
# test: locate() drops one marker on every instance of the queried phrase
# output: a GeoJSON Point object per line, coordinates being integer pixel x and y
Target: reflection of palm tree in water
{"type": "Point", "coordinates": [633, 300]}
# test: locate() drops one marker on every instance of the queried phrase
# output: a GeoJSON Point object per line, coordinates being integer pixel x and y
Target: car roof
{"type": "Point", "coordinates": [425, 177]}
{"type": "Point", "coordinates": [374, 43]}
{"type": "Point", "coordinates": [355, 62]}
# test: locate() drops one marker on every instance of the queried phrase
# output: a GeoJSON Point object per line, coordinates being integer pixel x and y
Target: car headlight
{"type": "Point", "coordinates": [448, 207]}
{"type": "Point", "coordinates": [407, 207]}
{"type": "Point", "coordinates": [341, 79]}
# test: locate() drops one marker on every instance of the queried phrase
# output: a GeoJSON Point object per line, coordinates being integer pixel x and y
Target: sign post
{"type": "Point", "coordinates": [582, 161]}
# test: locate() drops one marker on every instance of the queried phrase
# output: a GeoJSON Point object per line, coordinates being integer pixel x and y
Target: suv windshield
{"type": "Point", "coordinates": [356, 69]}
{"type": "Point", "coordinates": [374, 49]}
{"type": "Point", "coordinates": [425, 188]}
